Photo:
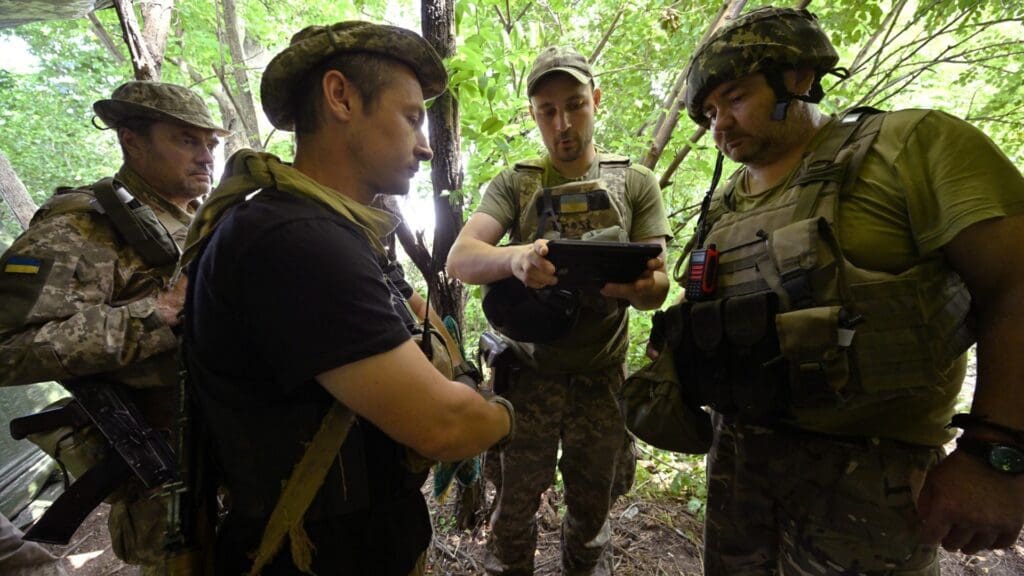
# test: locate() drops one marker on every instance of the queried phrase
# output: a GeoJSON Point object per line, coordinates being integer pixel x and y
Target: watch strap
{"type": "Point", "coordinates": [984, 450]}
{"type": "Point", "coordinates": [967, 421]}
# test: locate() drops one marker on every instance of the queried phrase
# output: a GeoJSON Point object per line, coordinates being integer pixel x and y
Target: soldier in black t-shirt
{"type": "Point", "coordinates": [291, 311]}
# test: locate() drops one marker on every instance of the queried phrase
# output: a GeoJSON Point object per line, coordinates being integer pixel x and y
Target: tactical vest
{"type": "Point", "coordinates": [572, 209]}
{"type": "Point", "coordinates": [793, 324]}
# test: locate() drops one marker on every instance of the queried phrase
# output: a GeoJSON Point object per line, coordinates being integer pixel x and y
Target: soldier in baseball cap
{"type": "Point", "coordinates": [559, 59]}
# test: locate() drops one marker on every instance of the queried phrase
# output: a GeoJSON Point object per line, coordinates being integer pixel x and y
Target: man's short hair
{"type": "Point", "coordinates": [370, 73]}
{"type": "Point", "coordinates": [140, 125]}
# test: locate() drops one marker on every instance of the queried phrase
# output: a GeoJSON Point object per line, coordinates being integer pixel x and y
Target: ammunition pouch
{"type": "Point", "coordinates": [658, 407]}
{"type": "Point", "coordinates": [70, 438]}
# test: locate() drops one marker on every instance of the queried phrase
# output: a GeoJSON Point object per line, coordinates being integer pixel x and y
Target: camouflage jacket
{"type": "Point", "coordinates": [78, 300]}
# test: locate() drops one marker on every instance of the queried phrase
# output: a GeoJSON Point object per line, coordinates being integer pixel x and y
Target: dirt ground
{"type": "Point", "coordinates": [652, 538]}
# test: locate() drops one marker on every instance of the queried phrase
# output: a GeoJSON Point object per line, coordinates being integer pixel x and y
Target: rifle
{"type": "Point", "coordinates": [135, 448]}
{"type": "Point", "coordinates": [192, 510]}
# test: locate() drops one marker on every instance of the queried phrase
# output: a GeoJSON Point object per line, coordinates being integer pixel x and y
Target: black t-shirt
{"type": "Point", "coordinates": [284, 290]}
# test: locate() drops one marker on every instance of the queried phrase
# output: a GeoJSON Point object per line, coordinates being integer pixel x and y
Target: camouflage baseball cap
{"type": "Point", "coordinates": [559, 59]}
{"type": "Point", "coordinates": [754, 42]}
{"type": "Point", "coordinates": [313, 44]}
{"type": "Point", "coordinates": [156, 100]}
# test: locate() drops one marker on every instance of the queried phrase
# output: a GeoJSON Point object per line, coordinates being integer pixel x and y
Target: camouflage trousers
{"type": "Point", "coordinates": [580, 412]}
{"type": "Point", "coordinates": [795, 503]}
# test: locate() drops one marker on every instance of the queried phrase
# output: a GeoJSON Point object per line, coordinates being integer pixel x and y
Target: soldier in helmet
{"type": "Point", "coordinates": [569, 347]}
{"type": "Point", "coordinates": [859, 256]}
{"type": "Point", "coordinates": [293, 322]}
{"type": "Point", "coordinates": [89, 290]}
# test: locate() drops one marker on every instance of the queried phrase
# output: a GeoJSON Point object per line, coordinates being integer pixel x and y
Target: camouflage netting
{"type": "Point", "coordinates": [17, 13]}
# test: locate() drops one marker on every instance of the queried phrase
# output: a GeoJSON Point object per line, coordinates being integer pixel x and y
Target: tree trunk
{"type": "Point", "coordinates": [156, 23]}
{"type": "Point", "coordinates": [446, 170]}
{"type": "Point", "coordinates": [242, 95]}
{"type": "Point", "coordinates": [143, 63]}
{"type": "Point", "coordinates": [15, 194]}
{"type": "Point", "coordinates": [664, 129]}
{"type": "Point", "coordinates": [446, 175]}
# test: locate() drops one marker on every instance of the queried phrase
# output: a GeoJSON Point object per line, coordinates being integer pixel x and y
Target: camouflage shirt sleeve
{"type": "Point", "coordinates": [61, 317]}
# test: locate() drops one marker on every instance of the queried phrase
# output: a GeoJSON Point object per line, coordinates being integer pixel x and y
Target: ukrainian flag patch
{"type": "Point", "coordinates": [22, 265]}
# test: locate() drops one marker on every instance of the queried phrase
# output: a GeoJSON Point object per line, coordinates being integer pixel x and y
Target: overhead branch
{"type": "Point", "coordinates": [663, 131]}
{"type": "Point", "coordinates": [666, 176]}
{"type": "Point", "coordinates": [607, 34]}
{"type": "Point", "coordinates": [242, 95]}
{"type": "Point", "coordinates": [156, 23]}
{"type": "Point", "coordinates": [143, 64]}
{"type": "Point", "coordinates": [104, 37]}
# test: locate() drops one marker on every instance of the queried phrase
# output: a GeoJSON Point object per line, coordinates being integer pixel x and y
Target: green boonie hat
{"type": "Point", "coordinates": [313, 44]}
{"type": "Point", "coordinates": [559, 59]}
{"type": "Point", "coordinates": [760, 39]}
{"type": "Point", "coordinates": [157, 100]}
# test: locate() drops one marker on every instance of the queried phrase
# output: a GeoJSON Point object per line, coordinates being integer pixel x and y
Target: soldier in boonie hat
{"type": "Point", "coordinates": [158, 101]}
{"type": "Point", "coordinates": [314, 44]}
{"type": "Point", "coordinates": [559, 59]}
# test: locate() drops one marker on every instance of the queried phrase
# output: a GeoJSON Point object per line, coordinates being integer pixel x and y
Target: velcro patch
{"type": "Point", "coordinates": [22, 265]}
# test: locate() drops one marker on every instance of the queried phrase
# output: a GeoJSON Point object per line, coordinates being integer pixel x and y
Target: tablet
{"type": "Point", "coordinates": [590, 263]}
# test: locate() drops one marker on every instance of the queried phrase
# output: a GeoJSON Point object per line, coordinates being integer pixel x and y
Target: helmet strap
{"type": "Point", "coordinates": [783, 96]}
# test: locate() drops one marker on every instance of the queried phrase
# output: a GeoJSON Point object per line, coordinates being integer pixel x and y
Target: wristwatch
{"type": "Point", "coordinates": [1001, 457]}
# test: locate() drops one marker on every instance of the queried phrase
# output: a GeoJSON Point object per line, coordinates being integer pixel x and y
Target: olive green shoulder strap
{"type": "Point", "coordinates": [136, 223]}
{"type": "Point", "coordinates": [298, 493]}
{"type": "Point", "coordinates": [837, 158]}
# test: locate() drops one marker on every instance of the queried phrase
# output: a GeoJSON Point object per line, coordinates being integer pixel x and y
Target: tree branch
{"type": "Point", "coordinates": [15, 194]}
{"type": "Point", "coordinates": [105, 39]}
{"type": "Point", "coordinates": [607, 34]}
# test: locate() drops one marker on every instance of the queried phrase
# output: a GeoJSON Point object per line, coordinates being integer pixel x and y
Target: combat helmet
{"type": "Point", "coordinates": [767, 40]}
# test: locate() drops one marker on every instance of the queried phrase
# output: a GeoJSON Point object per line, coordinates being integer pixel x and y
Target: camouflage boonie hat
{"type": "Point", "coordinates": [156, 100]}
{"type": "Point", "coordinates": [559, 59]}
{"type": "Point", "coordinates": [313, 44]}
{"type": "Point", "coordinates": [758, 40]}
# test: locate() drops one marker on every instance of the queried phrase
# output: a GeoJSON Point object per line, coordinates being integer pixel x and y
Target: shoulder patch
{"type": "Point", "coordinates": [22, 278]}
{"type": "Point", "coordinates": [16, 264]}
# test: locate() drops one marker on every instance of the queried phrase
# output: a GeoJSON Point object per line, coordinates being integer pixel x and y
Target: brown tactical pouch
{"type": "Point", "coordinates": [805, 262]}
{"type": "Point", "coordinates": [76, 449]}
{"type": "Point", "coordinates": [657, 405]}
{"type": "Point", "coordinates": [819, 367]}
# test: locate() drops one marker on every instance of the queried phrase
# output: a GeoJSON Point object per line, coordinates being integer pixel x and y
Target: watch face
{"type": "Point", "coordinates": [1008, 459]}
